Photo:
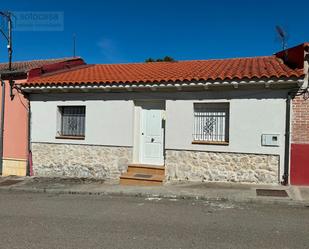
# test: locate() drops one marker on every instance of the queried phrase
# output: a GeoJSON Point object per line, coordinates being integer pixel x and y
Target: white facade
{"type": "Point", "coordinates": [249, 119]}
{"type": "Point", "coordinates": [106, 123]}
{"type": "Point", "coordinates": [112, 119]}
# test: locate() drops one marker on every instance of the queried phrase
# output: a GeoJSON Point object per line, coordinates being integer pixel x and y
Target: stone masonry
{"type": "Point", "coordinates": [72, 160]}
{"type": "Point", "coordinates": [221, 167]}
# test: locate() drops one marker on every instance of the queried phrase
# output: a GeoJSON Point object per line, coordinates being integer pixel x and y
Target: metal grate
{"type": "Point", "coordinates": [72, 120]}
{"type": "Point", "coordinates": [211, 122]}
{"type": "Point", "coordinates": [271, 192]}
{"type": "Point", "coordinates": [142, 175]}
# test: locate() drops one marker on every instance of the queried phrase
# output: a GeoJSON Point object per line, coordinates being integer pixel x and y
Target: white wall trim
{"type": "Point", "coordinates": [156, 86]}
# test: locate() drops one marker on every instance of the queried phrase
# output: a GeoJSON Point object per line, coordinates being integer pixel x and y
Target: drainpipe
{"type": "Point", "coordinates": [29, 161]}
{"type": "Point", "coordinates": [285, 177]}
{"type": "Point", "coordinates": [2, 125]}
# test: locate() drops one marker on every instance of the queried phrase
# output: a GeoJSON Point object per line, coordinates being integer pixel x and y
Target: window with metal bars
{"type": "Point", "coordinates": [211, 122]}
{"type": "Point", "coordinates": [72, 121]}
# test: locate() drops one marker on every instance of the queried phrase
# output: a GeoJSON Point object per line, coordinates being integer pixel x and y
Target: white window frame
{"type": "Point", "coordinates": [60, 132]}
{"type": "Point", "coordinates": [211, 122]}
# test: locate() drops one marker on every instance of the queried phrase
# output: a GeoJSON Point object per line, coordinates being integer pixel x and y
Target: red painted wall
{"type": "Point", "coordinates": [15, 125]}
{"type": "Point", "coordinates": [299, 164]}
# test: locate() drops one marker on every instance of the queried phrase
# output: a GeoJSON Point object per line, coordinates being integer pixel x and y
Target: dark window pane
{"type": "Point", "coordinates": [72, 120]}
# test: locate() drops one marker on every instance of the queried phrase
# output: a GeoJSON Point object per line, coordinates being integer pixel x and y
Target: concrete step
{"type": "Point", "coordinates": [142, 179]}
{"type": "Point", "coordinates": [146, 169]}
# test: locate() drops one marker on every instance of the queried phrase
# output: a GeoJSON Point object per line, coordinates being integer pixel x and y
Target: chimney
{"type": "Point", "coordinates": [297, 58]}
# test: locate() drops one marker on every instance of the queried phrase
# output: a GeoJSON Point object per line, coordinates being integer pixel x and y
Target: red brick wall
{"type": "Point", "coordinates": [299, 171]}
{"type": "Point", "coordinates": [300, 120]}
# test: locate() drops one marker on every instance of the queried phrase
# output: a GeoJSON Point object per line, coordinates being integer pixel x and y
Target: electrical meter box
{"type": "Point", "coordinates": [270, 140]}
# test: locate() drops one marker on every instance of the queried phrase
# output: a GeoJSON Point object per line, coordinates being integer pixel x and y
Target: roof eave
{"type": "Point", "coordinates": [107, 87]}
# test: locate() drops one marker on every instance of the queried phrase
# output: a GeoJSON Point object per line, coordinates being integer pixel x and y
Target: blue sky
{"type": "Point", "coordinates": [119, 31]}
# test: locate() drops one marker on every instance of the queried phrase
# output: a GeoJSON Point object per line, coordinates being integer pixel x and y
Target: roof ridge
{"type": "Point", "coordinates": [38, 60]}
{"type": "Point", "coordinates": [63, 71]}
{"type": "Point", "coordinates": [180, 61]}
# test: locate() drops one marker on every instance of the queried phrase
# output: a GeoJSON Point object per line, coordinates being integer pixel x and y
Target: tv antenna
{"type": "Point", "coordinates": [283, 36]}
{"type": "Point", "coordinates": [74, 45]}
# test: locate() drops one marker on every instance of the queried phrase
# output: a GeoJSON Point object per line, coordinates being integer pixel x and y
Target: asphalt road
{"type": "Point", "coordinates": [72, 221]}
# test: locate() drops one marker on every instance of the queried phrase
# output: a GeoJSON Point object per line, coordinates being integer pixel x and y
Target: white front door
{"type": "Point", "coordinates": [152, 134]}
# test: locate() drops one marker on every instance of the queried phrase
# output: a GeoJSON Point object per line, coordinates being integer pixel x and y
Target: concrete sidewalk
{"type": "Point", "coordinates": [206, 191]}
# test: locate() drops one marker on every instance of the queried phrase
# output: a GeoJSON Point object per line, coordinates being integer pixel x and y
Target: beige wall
{"type": "Point", "coordinates": [17, 167]}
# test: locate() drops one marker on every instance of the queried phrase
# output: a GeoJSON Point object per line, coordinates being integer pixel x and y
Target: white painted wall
{"type": "Point", "coordinates": [110, 119]}
{"type": "Point", "coordinates": [249, 119]}
{"type": "Point", "coordinates": [106, 123]}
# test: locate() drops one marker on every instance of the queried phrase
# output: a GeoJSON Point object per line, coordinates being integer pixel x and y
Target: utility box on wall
{"type": "Point", "coordinates": [270, 140]}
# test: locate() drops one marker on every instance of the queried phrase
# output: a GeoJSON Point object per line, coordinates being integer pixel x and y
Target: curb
{"type": "Point", "coordinates": [250, 200]}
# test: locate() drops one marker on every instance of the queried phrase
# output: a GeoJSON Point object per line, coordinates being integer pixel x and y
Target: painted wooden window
{"type": "Point", "coordinates": [211, 122]}
{"type": "Point", "coordinates": [72, 120]}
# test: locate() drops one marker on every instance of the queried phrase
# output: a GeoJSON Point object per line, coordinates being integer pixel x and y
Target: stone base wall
{"type": "Point", "coordinates": [71, 160]}
{"type": "Point", "coordinates": [220, 166]}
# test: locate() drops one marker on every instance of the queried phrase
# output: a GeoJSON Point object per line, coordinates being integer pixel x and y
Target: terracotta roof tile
{"type": "Point", "coordinates": [28, 65]}
{"type": "Point", "coordinates": [202, 70]}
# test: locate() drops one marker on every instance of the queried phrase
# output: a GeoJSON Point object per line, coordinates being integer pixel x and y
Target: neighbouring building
{"type": "Point", "coordinates": [205, 120]}
{"type": "Point", "coordinates": [298, 58]}
{"type": "Point", "coordinates": [16, 113]}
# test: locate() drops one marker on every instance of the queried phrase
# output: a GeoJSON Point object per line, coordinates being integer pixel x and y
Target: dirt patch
{"type": "Point", "coordinates": [213, 185]}
{"type": "Point", "coordinates": [9, 182]}
{"type": "Point", "coordinates": [59, 180]}
{"type": "Point", "coordinates": [59, 183]}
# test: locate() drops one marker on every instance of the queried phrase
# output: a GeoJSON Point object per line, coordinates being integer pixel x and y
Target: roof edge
{"type": "Point", "coordinates": [178, 85]}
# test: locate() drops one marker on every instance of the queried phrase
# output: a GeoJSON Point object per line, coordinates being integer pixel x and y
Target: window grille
{"type": "Point", "coordinates": [211, 122]}
{"type": "Point", "coordinates": [72, 120]}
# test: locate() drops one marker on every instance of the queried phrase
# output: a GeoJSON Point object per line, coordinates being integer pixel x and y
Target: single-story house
{"type": "Point", "coordinates": [202, 120]}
